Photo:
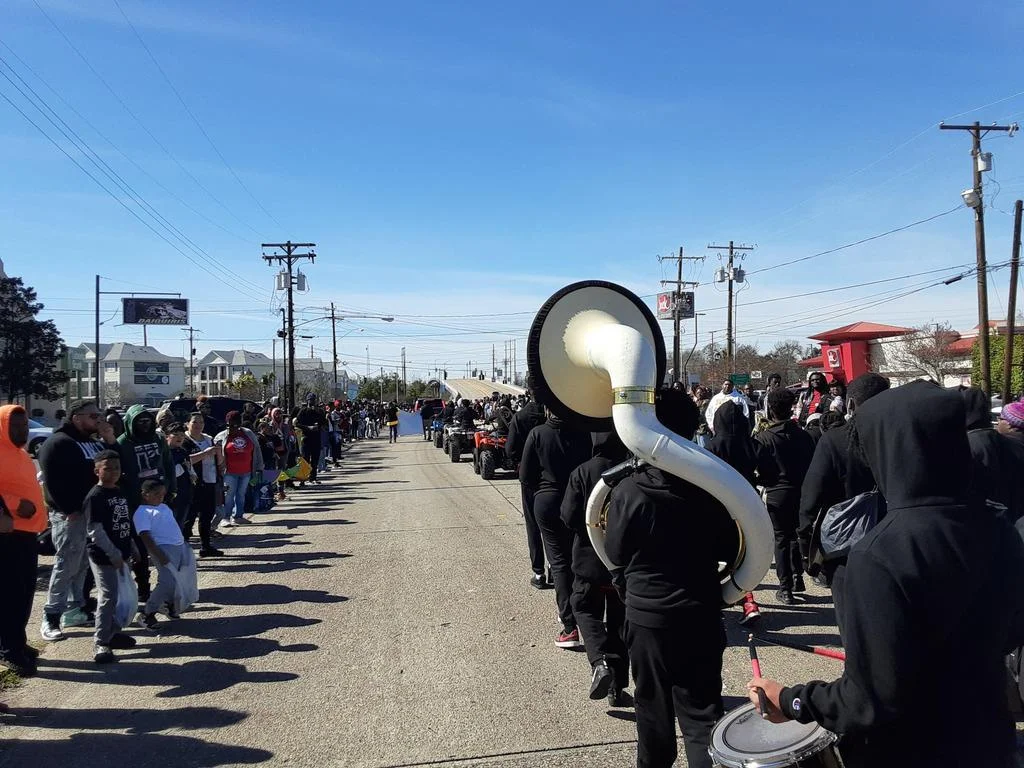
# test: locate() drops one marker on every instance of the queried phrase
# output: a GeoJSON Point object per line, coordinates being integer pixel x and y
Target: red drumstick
{"type": "Point", "coordinates": [830, 653]}
{"type": "Point", "coordinates": [755, 666]}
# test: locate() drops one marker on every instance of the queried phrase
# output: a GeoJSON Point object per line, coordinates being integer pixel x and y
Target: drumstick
{"type": "Point", "coordinates": [755, 666]}
{"type": "Point", "coordinates": [830, 653]}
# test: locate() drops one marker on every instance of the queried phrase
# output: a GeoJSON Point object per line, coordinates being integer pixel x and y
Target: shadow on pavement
{"type": "Point", "coordinates": [192, 678]}
{"type": "Point", "coordinates": [267, 594]}
{"type": "Point", "coordinates": [227, 649]}
{"type": "Point", "coordinates": [119, 749]}
{"type": "Point", "coordinates": [272, 563]}
{"type": "Point", "coordinates": [135, 721]}
{"type": "Point", "coordinates": [292, 524]}
{"type": "Point", "coordinates": [212, 628]}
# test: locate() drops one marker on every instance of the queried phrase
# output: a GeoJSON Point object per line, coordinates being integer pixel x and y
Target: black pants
{"type": "Point", "coordinates": [557, 539]}
{"type": "Point", "coordinates": [311, 450]}
{"type": "Point", "coordinates": [601, 617]}
{"type": "Point", "coordinates": [19, 558]}
{"type": "Point", "coordinates": [784, 510]}
{"type": "Point", "coordinates": [677, 673]}
{"type": "Point", "coordinates": [182, 504]}
{"type": "Point", "coordinates": [141, 569]}
{"type": "Point", "coordinates": [426, 429]}
{"type": "Point", "coordinates": [204, 506]}
{"type": "Point", "coordinates": [534, 542]}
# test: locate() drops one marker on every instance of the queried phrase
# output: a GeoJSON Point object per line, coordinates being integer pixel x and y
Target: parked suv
{"type": "Point", "coordinates": [219, 407]}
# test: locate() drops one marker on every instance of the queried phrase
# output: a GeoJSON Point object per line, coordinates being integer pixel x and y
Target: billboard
{"type": "Point", "coordinates": [683, 300]}
{"type": "Point", "coordinates": [152, 373]}
{"type": "Point", "coordinates": [142, 311]}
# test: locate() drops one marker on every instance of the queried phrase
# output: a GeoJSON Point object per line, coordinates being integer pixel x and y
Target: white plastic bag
{"type": "Point", "coordinates": [127, 598]}
{"type": "Point", "coordinates": [186, 588]}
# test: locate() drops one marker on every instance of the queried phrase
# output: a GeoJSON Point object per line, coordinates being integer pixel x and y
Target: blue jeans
{"type": "Point", "coordinates": [234, 495]}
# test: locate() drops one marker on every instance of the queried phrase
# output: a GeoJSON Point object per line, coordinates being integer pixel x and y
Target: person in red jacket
{"type": "Point", "coordinates": [22, 518]}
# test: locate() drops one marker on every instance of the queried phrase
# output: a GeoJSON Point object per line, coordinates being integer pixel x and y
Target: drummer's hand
{"type": "Point", "coordinates": [772, 690]}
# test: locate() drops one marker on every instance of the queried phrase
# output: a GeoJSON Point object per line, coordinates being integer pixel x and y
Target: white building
{"type": "Point", "coordinates": [218, 368]}
{"type": "Point", "coordinates": [130, 374]}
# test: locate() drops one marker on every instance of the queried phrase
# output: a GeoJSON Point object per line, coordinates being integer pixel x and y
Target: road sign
{"type": "Point", "coordinates": [685, 305]}
{"type": "Point", "coordinates": [665, 306]}
{"type": "Point", "coordinates": [756, 375]}
{"type": "Point", "coordinates": [740, 379]}
{"type": "Point", "coordinates": [669, 302]}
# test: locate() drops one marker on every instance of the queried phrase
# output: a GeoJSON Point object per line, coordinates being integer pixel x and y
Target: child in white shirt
{"type": "Point", "coordinates": [162, 537]}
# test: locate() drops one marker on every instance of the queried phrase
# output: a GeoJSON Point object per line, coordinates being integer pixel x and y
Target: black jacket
{"type": "Point", "coordinates": [834, 475]}
{"type": "Point", "coordinates": [733, 444]}
{"type": "Point", "coordinates": [608, 451]}
{"type": "Point", "coordinates": [998, 460]}
{"type": "Point", "coordinates": [66, 461]}
{"type": "Point", "coordinates": [914, 675]}
{"type": "Point", "coordinates": [551, 453]}
{"type": "Point", "coordinates": [464, 417]}
{"type": "Point", "coordinates": [529, 416]}
{"type": "Point", "coordinates": [668, 535]}
{"type": "Point", "coordinates": [787, 455]}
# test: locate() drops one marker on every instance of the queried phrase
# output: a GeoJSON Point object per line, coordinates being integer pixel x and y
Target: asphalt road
{"type": "Point", "coordinates": [382, 619]}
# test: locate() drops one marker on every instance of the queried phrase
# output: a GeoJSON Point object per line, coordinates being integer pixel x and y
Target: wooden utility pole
{"type": "Point", "coordinates": [1011, 305]}
{"type": "Point", "coordinates": [192, 359]}
{"type": "Point", "coordinates": [289, 258]}
{"type": "Point", "coordinates": [730, 275]}
{"type": "Point", "coordinates": [678, 285]}
{"type": "Point", "coordinates": [334, 353]}
{"type": "Point", "coordinates": [976, 202]}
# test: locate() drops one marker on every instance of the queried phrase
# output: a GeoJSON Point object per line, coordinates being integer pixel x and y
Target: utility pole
{"type": "Point", "coordinates": [405, 382]}
{"type": "Point", "coordinates": [973, 198]}
{"type": "Point", "coordinates": [678, 286]}
{"type": "Point", "coordinates": [1011, 304]}
{"type": "Point", "coordinates": [289, 258]}
{"type": "Point", "coordinates": [192, 359]}
{"type": "Point", "coordinates": [334, 353]}
{"type": "Point", "coordinates": [493, 364]}
{"type": "Point", "coordinates": [731, 276]}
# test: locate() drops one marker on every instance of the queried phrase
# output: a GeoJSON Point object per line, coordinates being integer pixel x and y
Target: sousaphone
{"type": "Point", "coordinates": [596, 355]}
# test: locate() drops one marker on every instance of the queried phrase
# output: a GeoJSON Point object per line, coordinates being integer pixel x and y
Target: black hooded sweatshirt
{"type": "Point", "coordinates": [529, 416]}
{"type": "Point", "coordinates": [552, 451]}
{"type": "Point", "coordinates": [931, 602]}
{"type": "Point", "coordinates": [732, 442]}
{"type": "Point", "coordinates": [66, 461]}
{"type": "Point", "coordinates": [668, 535]}
{"type": "Point", "coordinates": [998, 459]}
{"type": "Point", "coordinates": [608, 452]}
{"type": "Point", "coordinates": [787, 453]}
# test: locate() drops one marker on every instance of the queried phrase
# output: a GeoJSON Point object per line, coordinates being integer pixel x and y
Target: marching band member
{"type": "Point", "coordinates": [922, 687]}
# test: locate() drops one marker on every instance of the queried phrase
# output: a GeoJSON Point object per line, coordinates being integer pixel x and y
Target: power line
{"type": "Point", "coordinates": [82, 146]}
{"type": "Point", "coordinates": [141, 124]}
{"type": "Point", "coordinates": [858, 242]}
{"type": "Point", "coordinates": [194, 118]}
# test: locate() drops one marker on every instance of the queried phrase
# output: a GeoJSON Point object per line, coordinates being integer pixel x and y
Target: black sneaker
{"type": "Point", "coordinates": [102, 654]}
{"type": "Point", "coordinates": [120, 641]}
{"type": "Point", "coordinates": [602, 681]}
{"type": "Point", "coordinates": [50, 628]}
{"type": "Point", "coordinates": [798, 584]}
{"type": "Point", "coordinates": [821, 581]}
{"type": "Point", "coordinates": [171, 613]}
{"type": "Point", "coordinates": [148, 620]}
{"type": "Point", "coordinates": [537, 581]}
{"type": "Point", "coordinates": [210, 552]}
{"type": "Point", "coordinates": [22, 666]}
{"type": "Point", "coordinates": [785, 597]}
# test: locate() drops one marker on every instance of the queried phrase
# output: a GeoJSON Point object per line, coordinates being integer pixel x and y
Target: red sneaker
{"type": "Point", "coordinates": [569, 639]}
{"type": "Point", "coordinates": [750, 610]}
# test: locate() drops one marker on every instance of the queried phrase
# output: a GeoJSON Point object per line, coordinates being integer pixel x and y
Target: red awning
{"type": "Point", "coordinates": [861, 332]}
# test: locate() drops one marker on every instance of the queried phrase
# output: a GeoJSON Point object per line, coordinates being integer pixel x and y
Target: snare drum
{"type": "Point", "coordinates": [743, 739]}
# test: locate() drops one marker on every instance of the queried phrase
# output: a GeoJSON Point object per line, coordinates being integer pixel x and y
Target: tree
{"type": "Point", "coordinates": [784, 359]}
{"type": "Point", "coordinates": [371, 389]}
{"type": "Point", "coordinates": [927, 349]}
{"type": "Point", "coordinates": [267, 383]}
{"type": "Point", "coordinates": [112, 394]}
{"type": "Point", "coordinates": [29, 348]}
{"type": "Point", "coordinates": [246, 386]}
{"type": "Point", "coordinates": [997, 354]}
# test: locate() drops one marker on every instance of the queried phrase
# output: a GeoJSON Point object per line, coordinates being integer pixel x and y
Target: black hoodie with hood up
{"type": "Point", "coordinates": [998, 460]}
{"type": "Point", "coordinates": [931, 602]}
{"type": "Point", "coordinates": [608, 452]}
{"type": "Point", "coordinates": [732, 442]}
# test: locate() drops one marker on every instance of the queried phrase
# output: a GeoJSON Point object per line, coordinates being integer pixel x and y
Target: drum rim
{"type": "Point", "coordinates": [823, 739]}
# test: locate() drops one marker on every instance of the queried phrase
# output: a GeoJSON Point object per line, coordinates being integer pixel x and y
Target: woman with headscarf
{"type": "Point", "coordinates": [733, 444]}
{"type": "Point", "coordinates": [920, 672]}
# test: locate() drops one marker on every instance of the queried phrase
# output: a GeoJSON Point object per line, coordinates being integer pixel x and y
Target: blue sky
{"type": "Point", "coordinates": [454, 159]}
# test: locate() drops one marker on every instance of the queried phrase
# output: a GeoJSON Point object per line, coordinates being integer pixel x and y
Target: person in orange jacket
{"type": "Point", "coordinates": [22, 518]}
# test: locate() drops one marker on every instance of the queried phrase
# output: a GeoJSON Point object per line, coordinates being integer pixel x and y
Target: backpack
{"type": "Point", "coordinates": [846, 523]}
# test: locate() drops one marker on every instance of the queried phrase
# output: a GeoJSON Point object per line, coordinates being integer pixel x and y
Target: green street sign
{"type": "Point", "coordinates": [741, 379]}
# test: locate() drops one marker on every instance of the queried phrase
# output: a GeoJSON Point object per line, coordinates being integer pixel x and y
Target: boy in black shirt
{"type": "Point", "coordinates": [109, 529]}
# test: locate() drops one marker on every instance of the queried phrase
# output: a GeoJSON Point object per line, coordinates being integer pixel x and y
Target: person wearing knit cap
{"type": "Point", "coordinates": [1011, 420]}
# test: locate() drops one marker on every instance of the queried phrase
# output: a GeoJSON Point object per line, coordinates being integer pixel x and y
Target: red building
{"type": "Point", "coordinates": [846, 351]}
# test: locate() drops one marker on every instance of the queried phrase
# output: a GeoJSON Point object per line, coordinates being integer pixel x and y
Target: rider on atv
{"type": "Point", "coordinates": [463, 415]}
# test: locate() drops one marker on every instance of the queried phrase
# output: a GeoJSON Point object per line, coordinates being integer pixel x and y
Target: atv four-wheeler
{"type": "Point", "coordinates": [489, 453]}
{"type": "Point", "coordinates": [460, 441]}
{"type": "Point", "coordinates": [437, 429]}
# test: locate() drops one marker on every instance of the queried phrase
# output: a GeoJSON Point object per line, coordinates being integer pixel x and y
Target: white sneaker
{"type": "Point", "coordinates": [229, 523]}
